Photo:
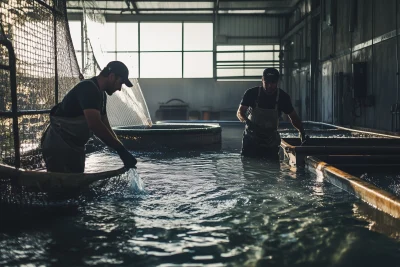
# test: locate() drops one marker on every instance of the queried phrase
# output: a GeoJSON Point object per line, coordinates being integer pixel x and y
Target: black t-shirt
{"type": "Point", "coordinates": [85, 95]}
{"type": "Point", "coordinates": [267, 101]}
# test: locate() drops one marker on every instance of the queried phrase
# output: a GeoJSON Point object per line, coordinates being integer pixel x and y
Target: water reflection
{"type": "Point", "coordinates": [215, 209]}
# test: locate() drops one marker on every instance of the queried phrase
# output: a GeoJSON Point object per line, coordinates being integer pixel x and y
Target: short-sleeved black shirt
{"type": "Point", "coordinates": [267, 101]}
{"type": "Point", "coordinates": [85, 95]}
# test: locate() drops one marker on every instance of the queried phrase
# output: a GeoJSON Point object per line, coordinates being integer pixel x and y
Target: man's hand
{"type": "Point", "coordinates": [303, 137]}
{"type": "Point", "coordinates": [250, 124]}
{"type": "Point", "coordinates": [127, 158]}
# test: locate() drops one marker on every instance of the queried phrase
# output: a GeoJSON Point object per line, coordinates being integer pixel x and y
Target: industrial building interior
{"type": "Point", "coordinates": [338, 59]}
{"type": "Point", "coordinates": [188, 195]}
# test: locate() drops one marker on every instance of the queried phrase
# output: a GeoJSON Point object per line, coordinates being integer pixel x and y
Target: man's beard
{"type": "Point", "coordinates": [270, 92]}
{"type": "Point", "coordinates": [109, 91]}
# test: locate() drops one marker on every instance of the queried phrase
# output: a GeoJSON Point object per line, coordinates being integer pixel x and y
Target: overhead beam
{"type": "Point", "coordinates": [135, 6]}
{"type": "Point", "coordinates": [176, 9]}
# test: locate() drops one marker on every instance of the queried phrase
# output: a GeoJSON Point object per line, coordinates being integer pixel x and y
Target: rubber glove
{"type": "Point", "coordinates": [303, 137]}
{"type": "Point", "coordinates": [127, 158]}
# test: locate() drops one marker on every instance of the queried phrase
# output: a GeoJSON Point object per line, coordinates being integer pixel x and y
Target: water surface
{"type": "Point", "coordinates": [204, 209]}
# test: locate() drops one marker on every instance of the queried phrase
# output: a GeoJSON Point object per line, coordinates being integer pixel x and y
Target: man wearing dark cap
{"type": "Point", "coordinates": [81, 113]}
{"type": "Point", "coordinates": [260, 109]}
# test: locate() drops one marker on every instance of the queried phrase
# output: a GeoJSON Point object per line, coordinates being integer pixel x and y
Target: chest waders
{"type": "Point", "coordinates": [63, 142]}
{"type": "Point", "coordinates": [262, 140]}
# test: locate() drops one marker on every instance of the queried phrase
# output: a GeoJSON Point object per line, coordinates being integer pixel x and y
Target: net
{"type": "Point", "coordinates": [38, 67]}
{"type": "Point", "coordinates": [124, 108]}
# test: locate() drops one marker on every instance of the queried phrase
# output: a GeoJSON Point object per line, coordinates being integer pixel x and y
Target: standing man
{"type": "Point", "coordinates": [81, 113]}
{"type": "Point", "coordinates": [260, 109]}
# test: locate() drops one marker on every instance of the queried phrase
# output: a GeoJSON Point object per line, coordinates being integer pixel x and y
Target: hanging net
{"type": "Point", "coordinates": [38, 67]}
{"type": "Point", "coordinates": [124, 108]}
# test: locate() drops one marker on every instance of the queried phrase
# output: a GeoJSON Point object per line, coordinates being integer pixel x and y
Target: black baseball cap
{"type": "Point", "coordinates": [120, 69]}
{"type": "Point", "coordinates": [271, 75]}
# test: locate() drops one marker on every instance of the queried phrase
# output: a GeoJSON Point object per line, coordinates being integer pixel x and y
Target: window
{"type": "Point", "coordinates": [127, 49]}
{"type": "Point", "coordinates": [198, 47]}
{"type": "Point", "coordinates": [158, 41]}
{"type": "Point", "coordinates": [245, 60]}
{"type": "Point", "coordinates": [150, 49]}
{"type": "Point", "coordinates": [76, 36]}
{"type": "Point", "coordinates": [198, 64]}
{"type": "Point", "coordinates": [161, 65]}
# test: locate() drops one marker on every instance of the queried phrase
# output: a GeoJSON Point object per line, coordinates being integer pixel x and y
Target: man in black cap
{"type": "Point", "coordinates": [81, 113]}
{"type": "Point", "coordinates": [260, 109]}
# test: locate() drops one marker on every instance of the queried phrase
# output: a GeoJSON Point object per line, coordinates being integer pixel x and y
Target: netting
{"type": "Point", "coordinates": [38, 67]}
{"type": "Point", "coordinates": [124, 108]}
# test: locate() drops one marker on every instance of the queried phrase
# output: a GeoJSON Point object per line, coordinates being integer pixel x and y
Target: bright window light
{"type": "Point", "coordinates": [197, 64]}
{"type": "Point", "coordinates": [254, 72]}
{"type": "Point", "coordinates": [161, 65]}
{"type": "Point", "coordinates": [230, 72]}
{"type": "Point", "coordinates": [160, 36]}
{"type": "Point", "coordinates": [259, 56]}
{"type": "Point", "coordinates": [230, 48]}
{"type": "Point", "coordinates": [131, 60]}
{"type": "Point", "coordinates": [75, 30]}
{"type": "Point", "coordinates": [230, 56]}
{"type": "Point", "coordinates": [258, 47]}
{"type": "Point", "coordinates": [107, 57]}
{"type": "Point", "coordinates": [127, 37]}
{"type": "Point", "coordinates": [198, 36]}
{"type": "Point", "coordinates": [79, 59]}
{"type": "Point", "coordinates": [109, 41]}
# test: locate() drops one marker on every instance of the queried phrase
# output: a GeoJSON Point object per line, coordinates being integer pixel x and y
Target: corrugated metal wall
{"type": "Point", "coordinates": [371, 38]}
{"type": "Point", "coordinates": [249, 30]}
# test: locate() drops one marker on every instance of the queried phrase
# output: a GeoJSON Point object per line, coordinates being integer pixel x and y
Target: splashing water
{"type": "Point", "coordinates": [136, 183]}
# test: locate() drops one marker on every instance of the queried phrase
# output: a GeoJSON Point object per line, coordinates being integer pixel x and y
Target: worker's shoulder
{"type": "Point", "coordinates": [283, 93]}
{"type": "Point", "coordinates": [88, 85]}
{"type": "Point", "coordinates": [252, 90]}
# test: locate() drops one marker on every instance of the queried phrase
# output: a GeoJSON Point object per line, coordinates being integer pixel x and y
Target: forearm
{"type": "Point", "coordinates": [241, 114]}
{"type": "Point", "coordinates": [298, 125]}
{"type": "Point", "coordinates": [296, 121]}
{"type": "Point", "coordinates": [107, 136]}
{"type": "Point", "coordinates": [107, 124]}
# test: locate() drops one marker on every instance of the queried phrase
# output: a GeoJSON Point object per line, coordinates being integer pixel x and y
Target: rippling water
{"type": "Point", "coordinates": [204, 209]}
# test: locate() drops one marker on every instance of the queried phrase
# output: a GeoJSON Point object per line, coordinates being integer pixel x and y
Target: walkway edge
{"type": "Point", "coordinates": [367, 192]}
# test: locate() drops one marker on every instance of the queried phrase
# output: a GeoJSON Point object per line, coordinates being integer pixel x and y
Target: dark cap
{"type": "Point", "coordinates": [271, 75]}
{"type": "Point", "coordinates": [120, 69]}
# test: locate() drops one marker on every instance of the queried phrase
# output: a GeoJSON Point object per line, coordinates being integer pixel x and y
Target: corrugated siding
{"type": "Point", "coordinates": [250, 29]}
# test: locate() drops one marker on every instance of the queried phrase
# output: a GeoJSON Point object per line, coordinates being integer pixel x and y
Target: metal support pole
{"type": "Point", "coordinates": [55, 57]}
{"type": "Point", "coordinates": [14, 100]}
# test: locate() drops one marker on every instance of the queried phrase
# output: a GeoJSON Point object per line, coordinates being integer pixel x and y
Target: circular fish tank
{"type": "Point", "coordinates": [182, 136]}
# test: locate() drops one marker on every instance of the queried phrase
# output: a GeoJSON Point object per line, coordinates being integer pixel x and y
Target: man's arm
{"type": "Point", "coordinates": [103, 131]}
{"type": "Point", "coordinates": [100, 129]}
{"type": "Point", "coordinates": [296, 122]}
{"type": "Point", "coordinates": [106, 122]}
{"type": "Point", "coordinates": [241, 113]}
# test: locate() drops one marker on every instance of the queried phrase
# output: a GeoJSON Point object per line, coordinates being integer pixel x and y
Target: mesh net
{"type": "Point", "coordinates": [46, 69]}
{"type": "Point", "coordinates": [124, 108]}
